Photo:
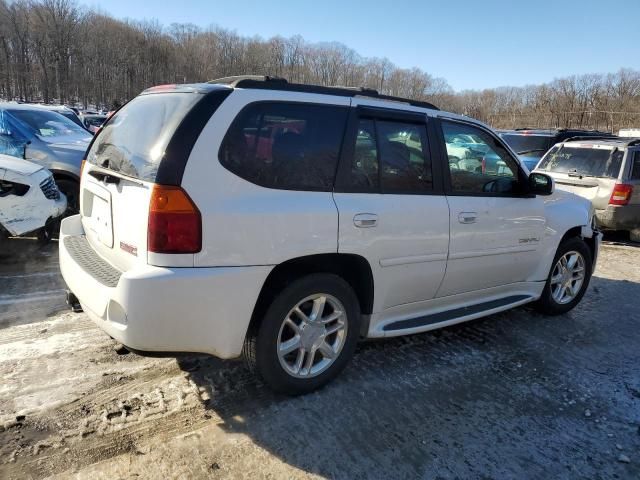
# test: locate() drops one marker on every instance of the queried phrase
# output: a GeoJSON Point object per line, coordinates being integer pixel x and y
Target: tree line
{"type": "Point", "coordinates": [59, 51]}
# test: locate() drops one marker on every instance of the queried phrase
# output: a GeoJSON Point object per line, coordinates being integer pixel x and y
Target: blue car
{"type": "Point", "coordinates": [47, 138]}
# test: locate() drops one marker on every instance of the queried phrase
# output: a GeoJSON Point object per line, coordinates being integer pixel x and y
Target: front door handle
{"type": "Point", "coordinates": [365, 220]}
{"type": "Point", "coordinates": [467, 217]}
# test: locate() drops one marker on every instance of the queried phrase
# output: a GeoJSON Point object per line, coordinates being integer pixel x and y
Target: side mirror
{"type": "Point", "coordinates": [541, 184]}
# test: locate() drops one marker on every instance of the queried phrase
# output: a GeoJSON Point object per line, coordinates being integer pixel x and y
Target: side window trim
{"type": "Point", "coordinates": [444, 161]}
{"type": "Point", "coordinates": [343, 183]}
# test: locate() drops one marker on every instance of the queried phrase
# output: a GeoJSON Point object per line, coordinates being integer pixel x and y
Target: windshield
{"type": "Point", "coordinates": [526, 143]}
{"type": "Point", "coordinates": [134, 140]}
{"type": "Point", "coordinates": [592, 162]}
{"type": "Point", "coordinates": [47, 124]}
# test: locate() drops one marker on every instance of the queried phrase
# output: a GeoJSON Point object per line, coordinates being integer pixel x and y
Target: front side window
{"type": "Point", "coordinates": [479, 167]}
{"type": "Point", "coordinates": [285, 145]}
{"type": "Point", "coordinates": [11, 141]}
{"type": "Point", "coordinates": [391, 156]}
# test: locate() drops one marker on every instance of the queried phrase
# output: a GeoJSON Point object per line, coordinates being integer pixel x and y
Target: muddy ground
{"type": "Point", "coordinates": [514, 395]}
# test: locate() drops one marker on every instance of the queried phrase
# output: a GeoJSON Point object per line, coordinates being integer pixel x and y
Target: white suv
{"type": "Point", "coordinates": [284, 222]}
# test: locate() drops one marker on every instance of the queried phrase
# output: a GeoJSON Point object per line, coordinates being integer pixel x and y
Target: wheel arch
{"type": "Point", "coordinates": [354, 269]}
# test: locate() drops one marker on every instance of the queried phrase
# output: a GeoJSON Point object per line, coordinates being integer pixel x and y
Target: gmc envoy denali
{"type": "Point", "coordinates": [284, 222]}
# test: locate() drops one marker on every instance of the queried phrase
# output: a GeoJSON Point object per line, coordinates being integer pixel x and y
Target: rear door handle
{"type": "Point", "coordinates": [467, 217]}
{"type": "Point", "coordinates": [365, 220]}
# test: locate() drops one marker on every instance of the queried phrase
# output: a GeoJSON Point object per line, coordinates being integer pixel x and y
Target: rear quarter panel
{"type": "Point", "coordinates": [246, 224]}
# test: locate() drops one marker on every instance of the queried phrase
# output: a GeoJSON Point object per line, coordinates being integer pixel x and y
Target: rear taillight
{"type": "Point", "coordinates": [175, 225]}
{"type": "Point", "coordinates": [621, 194]}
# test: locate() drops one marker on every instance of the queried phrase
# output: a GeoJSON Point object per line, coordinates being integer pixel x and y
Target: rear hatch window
{"type": "Point", "coordinates": [134, 140]}
{"type": "Point", "coordinates": [524, 144]}
{"type": "Point", "coordinates": [585, 161]}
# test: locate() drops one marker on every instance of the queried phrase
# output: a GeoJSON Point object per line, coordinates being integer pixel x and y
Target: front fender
{"type": "Point", "coordinates": [563, 211]}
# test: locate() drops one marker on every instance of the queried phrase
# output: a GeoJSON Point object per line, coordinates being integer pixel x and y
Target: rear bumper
{"type": "Point", "coordinates": [161, 309]}
{"type": "Point", "coordinates": [622, 217]}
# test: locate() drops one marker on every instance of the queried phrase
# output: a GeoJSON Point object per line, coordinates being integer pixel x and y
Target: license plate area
{"type": "Point", "coordinates": [97, 213]}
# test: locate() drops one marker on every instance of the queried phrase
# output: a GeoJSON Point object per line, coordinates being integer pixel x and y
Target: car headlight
{"type": "Point", "coordinates": [12, 188]}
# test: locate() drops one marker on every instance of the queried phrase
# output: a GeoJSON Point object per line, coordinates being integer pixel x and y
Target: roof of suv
{"type": "Point", "coordinates": [278, 83]}
{"type": "Point", "coordinates": [551, 132]}
{"type": "Point", "coordinates": [620, 142]}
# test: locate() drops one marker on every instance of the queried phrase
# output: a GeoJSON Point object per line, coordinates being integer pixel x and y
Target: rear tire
{"type": "Point", "coordinates": [299, 346]}
{"type": "Point", "coordinates": [564, 275]}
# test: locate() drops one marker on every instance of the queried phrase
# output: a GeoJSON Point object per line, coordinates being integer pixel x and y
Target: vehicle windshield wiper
{"type": "Point", "coordinates": [574, 173]}
{"type": "Point", "coordinates": [532, 150]}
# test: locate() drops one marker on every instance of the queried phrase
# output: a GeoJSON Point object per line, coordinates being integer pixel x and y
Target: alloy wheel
{"type": "Point", "coordinates": [312, 335]}
{"type": "Point", "coordinates": [567, 277]}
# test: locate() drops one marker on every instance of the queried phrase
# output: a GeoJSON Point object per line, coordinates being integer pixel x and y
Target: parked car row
{"type": "Point", "coordinates": [48, 138]}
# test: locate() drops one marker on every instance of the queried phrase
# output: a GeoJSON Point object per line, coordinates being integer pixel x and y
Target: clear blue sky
{"type": "Point", "coordinates": [472, 44]}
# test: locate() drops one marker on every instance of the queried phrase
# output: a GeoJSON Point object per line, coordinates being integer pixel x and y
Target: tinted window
{"type": "Point", "coordinates": [575, 159]}
{"type": "Point", "coordinates": [405, 166]}
{"type": "Point", "coordinates": [364, 168]}
{"type": "Point", "coordinates": [527, 143]}
{"type": "Point", "coordinates": [134, 141]}
{"type": "Point", "coordinates": [391, 155]}
{"type": "Point", "coordinates": [484, 167]}
{"type": "Point", "coordinates": [635, 167]}
{"type": "Point", "coordinates": [286, 145]}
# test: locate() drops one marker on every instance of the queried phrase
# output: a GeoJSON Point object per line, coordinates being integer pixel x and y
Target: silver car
{"type": "Point", "coordinates": [47, 138]}
{"type": "Point", "coordinates": [607, 172]}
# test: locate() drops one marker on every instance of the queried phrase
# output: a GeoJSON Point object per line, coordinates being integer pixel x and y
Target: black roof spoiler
{"type": "Point", "coordinates": [278, 83]}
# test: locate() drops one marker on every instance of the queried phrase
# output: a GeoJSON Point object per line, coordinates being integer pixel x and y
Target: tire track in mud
{"type": "Point", "coordinates": [31, 285]}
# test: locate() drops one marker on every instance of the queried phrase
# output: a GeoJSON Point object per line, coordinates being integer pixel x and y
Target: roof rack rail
{"type": "Point", "coordinates": [591, 137]}
{"type": "Point", "coordinates": [278, 83]}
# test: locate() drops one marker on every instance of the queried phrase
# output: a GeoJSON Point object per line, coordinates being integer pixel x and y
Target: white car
{"type": "Point", "coordinates": [285, 222]}
{"type": "Point", "coordinates": [30, 201]}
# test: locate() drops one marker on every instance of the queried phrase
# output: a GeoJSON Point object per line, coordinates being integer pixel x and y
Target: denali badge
{"type": "Point", "coordinates": [129, 248]}
{"type": "Point", "coordinates": [529, 240]}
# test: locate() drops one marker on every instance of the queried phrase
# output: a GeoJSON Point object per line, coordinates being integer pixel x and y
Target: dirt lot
{"type": "Point", "coordinates": [514, 395]}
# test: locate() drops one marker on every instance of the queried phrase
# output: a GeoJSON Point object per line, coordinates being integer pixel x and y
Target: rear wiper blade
{"type": "Point", "coordinates": [532, 150]}
{"type": "Point", "coordinates": [578, 175]}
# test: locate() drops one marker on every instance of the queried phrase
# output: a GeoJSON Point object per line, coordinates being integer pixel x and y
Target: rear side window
{"type": "Point", "coordinates": [587, 161]}
{"type": "Point", "coordinates": [635, 166]}
{"type": "Point", "coordinates": [289, 146]}
{"type": "Point", "coordinates": [391, 156]}
{"type": "Point", "coordinates": [134, 140]}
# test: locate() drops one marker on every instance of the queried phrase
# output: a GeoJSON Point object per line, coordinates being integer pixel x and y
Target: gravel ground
{"type": "Point", "coordinates": [514, 395]}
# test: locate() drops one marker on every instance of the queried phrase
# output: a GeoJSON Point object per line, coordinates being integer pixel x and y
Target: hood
{"type": "Point", "coordinates": [17, 165]}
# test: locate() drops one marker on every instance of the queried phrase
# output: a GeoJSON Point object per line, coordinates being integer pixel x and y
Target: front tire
{"type": "Point", "coordinates": [568, 279]}
{"type": "Point", "coordinates": [71, 190]}
{"type": "Point", "coordinates": [307, 336]}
